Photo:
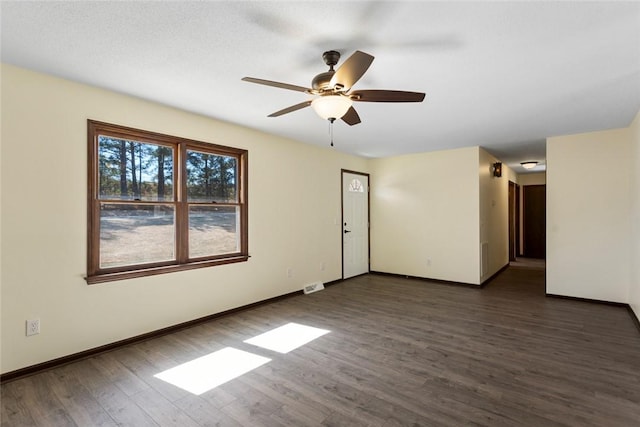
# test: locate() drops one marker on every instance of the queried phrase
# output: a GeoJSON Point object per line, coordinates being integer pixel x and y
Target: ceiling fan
{"type": "Point", "coordinates": [332, 89]}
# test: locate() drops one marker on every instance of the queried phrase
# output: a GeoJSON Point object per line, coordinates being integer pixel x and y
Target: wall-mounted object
{"type": "Point", "coordinates": [497, 169]}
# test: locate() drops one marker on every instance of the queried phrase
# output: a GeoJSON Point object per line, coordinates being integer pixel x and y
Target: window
{"type": "Point", "coordinates": [355, 186]}
{"type": "Point", "coordinates": [158, 203]}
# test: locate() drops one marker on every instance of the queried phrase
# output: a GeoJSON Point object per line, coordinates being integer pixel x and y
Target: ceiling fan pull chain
{"type": "Point", "coordinates": [331, 120]}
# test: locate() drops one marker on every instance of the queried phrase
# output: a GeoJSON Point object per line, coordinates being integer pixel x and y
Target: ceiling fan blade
{"type": "Point", "coordinates": [276, 84]}
{"type": "Point", "coordinates": [290, 109]}
{"type": "Point", "coordinates": [351, 117]}
{"type": "Point", "coordinates": [351, 70]}
{"type": "Point", "coordinates": [386, 96]}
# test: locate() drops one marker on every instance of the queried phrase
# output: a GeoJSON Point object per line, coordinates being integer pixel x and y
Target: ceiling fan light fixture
{"type": "Point", "coordinates": [529, 164]}
{"type": "Point", "coordinates": [333, 89]}
{"type": "Point", "coordinates": [331, 106]}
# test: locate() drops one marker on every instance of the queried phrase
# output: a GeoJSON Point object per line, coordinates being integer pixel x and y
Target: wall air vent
{"type": "Point", "coordinates": [313, 287]}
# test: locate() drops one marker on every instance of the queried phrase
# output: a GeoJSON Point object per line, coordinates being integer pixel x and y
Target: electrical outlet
{"type": "Point", "coordinates": [322, 266]}
{"type": "Point", "coordinates": [33, 327]}
{"type": "Point", "coordinates": [289, 272]}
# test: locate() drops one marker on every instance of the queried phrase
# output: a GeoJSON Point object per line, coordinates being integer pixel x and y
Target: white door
{"type": "Point", "coordinates": [355, 224]}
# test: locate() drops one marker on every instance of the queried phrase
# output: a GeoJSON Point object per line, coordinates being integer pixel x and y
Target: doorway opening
{"type": "Point", "coordinates": [527, 233]}
{"type": "Point", "coordinates": [534, 221]}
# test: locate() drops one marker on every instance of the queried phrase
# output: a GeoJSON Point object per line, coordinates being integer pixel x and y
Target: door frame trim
{"type": "Point", "coordinates": [342, 172]}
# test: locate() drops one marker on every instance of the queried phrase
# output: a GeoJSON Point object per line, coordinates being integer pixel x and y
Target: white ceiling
{"type": "Point", "coordinates": [502, 75]}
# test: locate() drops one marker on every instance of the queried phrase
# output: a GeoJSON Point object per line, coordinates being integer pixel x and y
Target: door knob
{"type": "Point", "coordinates": [347, 231]}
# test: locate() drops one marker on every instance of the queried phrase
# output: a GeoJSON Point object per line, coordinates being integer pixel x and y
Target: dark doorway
{"type": "Point", "coordinates": [534, 224]}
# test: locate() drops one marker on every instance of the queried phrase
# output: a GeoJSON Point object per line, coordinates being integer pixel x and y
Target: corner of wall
{"type": "Point", "coordinates": [634, 289]}
{"type": "Point", "coordinates": [493, 219]}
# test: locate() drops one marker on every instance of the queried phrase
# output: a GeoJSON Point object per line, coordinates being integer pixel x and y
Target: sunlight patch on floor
{"type": "Point", "coordinates": [207, 372]}
{"type": "Point", "coordinates": [287, 337]}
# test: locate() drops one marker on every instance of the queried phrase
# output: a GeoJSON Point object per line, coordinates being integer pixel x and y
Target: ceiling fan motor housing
{"type": "Point", "coordinates": [321, 81]}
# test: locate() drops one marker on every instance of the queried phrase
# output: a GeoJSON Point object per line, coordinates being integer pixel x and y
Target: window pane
{"type": "Point", "coordinates": [132, 170]}
{"type": "Point", "coordinates": [355, 186]}
{"type": "Point", "coordinates": [213, 230]}
{"type": "Point", "coordinates": [135, 234]}
{"type": "Point", "coordinates": [211, 178]}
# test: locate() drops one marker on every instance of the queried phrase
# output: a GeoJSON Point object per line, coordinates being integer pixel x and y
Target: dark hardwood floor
{"type": "Point", "coordinates": [400, 352]}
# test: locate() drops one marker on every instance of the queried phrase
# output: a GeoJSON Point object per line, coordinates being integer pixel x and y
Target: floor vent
{"type": "Point", "coordinates": [314, 287]}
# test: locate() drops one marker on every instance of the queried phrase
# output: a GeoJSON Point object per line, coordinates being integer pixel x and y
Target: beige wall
{"type": "Point", "coordinates": [589, 200]}
{"type": "Point", "coordinates": [634, 291]}
{"type": "Point", "coordinates": [294, 211]}
{"type": "Point", "coordinates": [424, 215]}
{"type": "Point", "coordinates": [494, 215]}
{"type": "Point", "coordinates": [538, 178]}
